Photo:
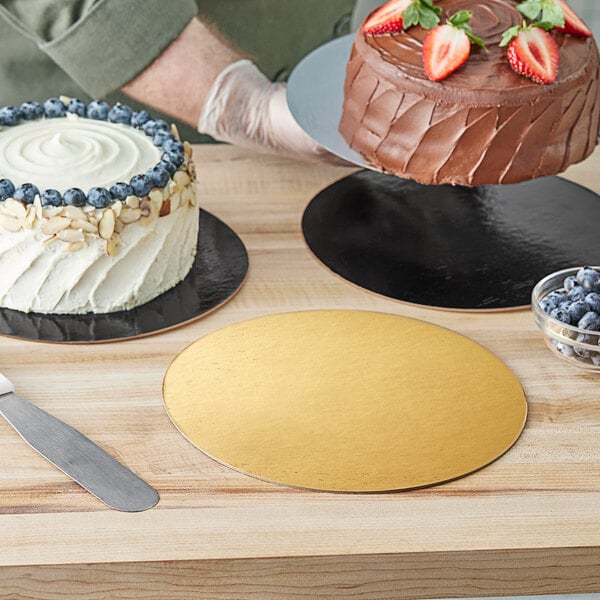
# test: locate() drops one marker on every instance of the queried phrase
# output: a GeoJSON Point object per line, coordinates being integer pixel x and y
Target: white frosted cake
{"type": "Point", "coordinates": [97, 209]}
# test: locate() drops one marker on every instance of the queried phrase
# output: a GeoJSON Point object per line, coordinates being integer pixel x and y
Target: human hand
{"type": "Point", "coordinates": [246, 109]}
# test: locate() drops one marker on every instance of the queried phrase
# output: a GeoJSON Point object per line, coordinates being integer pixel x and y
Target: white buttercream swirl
{"type": "Point", "coordinates": [74, 152]}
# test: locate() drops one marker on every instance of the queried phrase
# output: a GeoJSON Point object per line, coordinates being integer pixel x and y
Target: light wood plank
{"type": "Point", "coordinates": [536, 508]}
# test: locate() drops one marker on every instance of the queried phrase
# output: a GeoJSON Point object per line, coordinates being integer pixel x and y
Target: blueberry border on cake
{"type": "Point", "coordinates": [72, 216]}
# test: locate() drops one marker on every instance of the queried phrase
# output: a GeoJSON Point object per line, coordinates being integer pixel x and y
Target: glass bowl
{"type": "Point", "coordinates": [578, 347]}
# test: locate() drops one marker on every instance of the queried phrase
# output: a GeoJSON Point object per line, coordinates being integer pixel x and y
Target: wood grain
{"type": "Point", "coordinates": [529, 523]}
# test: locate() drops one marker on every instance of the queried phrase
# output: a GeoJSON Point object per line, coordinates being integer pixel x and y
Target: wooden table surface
{"type": "Point", "coordinates": [529, 523]}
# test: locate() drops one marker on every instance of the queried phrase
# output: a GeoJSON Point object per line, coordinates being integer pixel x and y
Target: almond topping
{"type": "Point", "coordinates": [84, 226]}
{"type": "Point", "coordinates": [182, 179]}
{"type": "Point", "coordinates": [54, 225]}
{"type": "Point", "coordinates": [15, 208]}
{"type": "Point", "coordinates": [165, 209]}
{"type": "Point", "coordinates": [73, 212]}
{"type": "Point", "coordinates": [106, 227]}
{"type": "Point", "coordinates": [71, 235]}
{"type": "Point", "coordinates": [130, 215]}
{"type": "Point", "coordinates": [74, 246]}
{"type": "Point", "coordinates": [10, 223]}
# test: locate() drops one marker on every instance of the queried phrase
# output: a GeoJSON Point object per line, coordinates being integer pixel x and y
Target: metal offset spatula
{"type": "Point", "coordinates": [74, 454]}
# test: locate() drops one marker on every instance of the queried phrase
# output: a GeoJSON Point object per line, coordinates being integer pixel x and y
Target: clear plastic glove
{"type": "Point", "coordinates": [246, 109]}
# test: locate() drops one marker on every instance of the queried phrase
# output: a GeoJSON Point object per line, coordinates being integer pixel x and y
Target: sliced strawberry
{"type": "Point", "coordinates": [445, 49]}
{"type": "Point", "coordinates": [573, 23]}
{"type": "Point", "coordinates": [534, 53]}
{"type": "Point", "coordinates": [387, 18]}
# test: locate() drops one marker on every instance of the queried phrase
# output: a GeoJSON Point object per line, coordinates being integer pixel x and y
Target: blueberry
{"type": "Point", "coordinates": [54, 108]}
{"type": "Point", "coordinates": [589, 279]}
{"type": "Point", "coordinates": [577, 310]}
{"type": "Point", "coordinates": [565, 349]}
{"type": "Point", "coordinates": [153, 125]}
{"type": "Point", "coordinates": [570, 282]}
{"type": "Point", "coordinates": [140, 118]}
{"type": "Point", "coordinates": [74, 197]}
{"type": "Point", "coordinates": [51, 198]}
{"type": "Point", "coordinates": [171, 144]}
{"type": "Point", "coordinates": [26, 193]}
{"type": "Point", "coordinates": [577, 293]}
{"type": "Point", "coordinates": [158, 176]}
{"type": "Point", "coordinates": [141, 185]}
{"type": "Point", "coordinates": [98, 109]}
{"type": "Point", "coordinates": [120, 113]}
{"type": "Point", "coordinates": [557, 298]}
{"type": "Point", "coordinates": [7, 189]}
{"type": "Point", "coordinates": [9, 115]}
{"type": "Point", "coordinates": [584, 338]}
{"type": "Point", "coordinates": [560, 314]}
{"type": "Point", "coordinates": [161, 136]}
{"type": "Point", "coordinates": [593, 301]}
{"type": "Point", "coordinates": [177, 159]}
{"type": "Point", "coordinates": [99, 197]}
{"type": "Point", "coordinates": [168, 166]}
{"type": "Point", "coordinates": [120, 191]}
{"type": "Point", "coordinates": [590, 321]}
{"type": "Point", "coordinates": [32, 110]}
{"type": "Point", "coordinates": [77, 107]}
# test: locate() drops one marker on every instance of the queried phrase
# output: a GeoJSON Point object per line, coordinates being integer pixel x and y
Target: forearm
{"type": "Point", "coordinates": [179, 80]}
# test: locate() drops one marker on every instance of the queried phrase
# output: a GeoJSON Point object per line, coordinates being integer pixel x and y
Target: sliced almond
{"type": "Point", "coordinates": [111, 246]}
{"type": "Point", "coordinates": [88, 209]}
{"type": "Point", "coordinates": [182, 179]}
{"type": "Point", "coordinates": [71, 235]}
{"type": "Point", "coordinates": [156, 196]}
{"type": "Point", "coordinates": [15, 208]}
{"type": "Point", "coordinates": [50, 240]}
{"type": "Point", "coordinates": [73, 212]}
{"type": "Point", "coordinates": [175, 131]}
{"type": "Point", "coordinates": [38, 208]}
{"type": "Point", "coordinates": [74, 246]}
{"type": "Point", "coordinates": [117, 207]}
{"type": "Point", "coordinates": [165, 209]}
{"type": "Point", "coordinates": [106, 226]}
{"type": "Point", "coordinates": [65, 99]}
{"type": "Point", "coordinates": [31, 217]}
{"type": "Point", "coordinates": [187, 149]}
{"type": "Point", "coordinates": [11, 224]}
{"type": "Point", "coordinates": [84, 225]}
{"type": "Point", "coordinates": [119, 226]}
{"type": "Point", "coordinates": [54, 225]}
{"type": "Point", "coordinates": [188, 197]}
{"type": "Point", "coordinates": [175, 202]}
{"type": "Point", "coordinates": [132, 202]}
{"type": "Point", "coordinates": [192, 171]}
{"type": "Point", "coordinates": [130, 215]}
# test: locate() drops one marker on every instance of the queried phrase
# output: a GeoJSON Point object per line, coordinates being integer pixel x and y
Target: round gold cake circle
{"type": "Point", "coordinates": [345, 401]}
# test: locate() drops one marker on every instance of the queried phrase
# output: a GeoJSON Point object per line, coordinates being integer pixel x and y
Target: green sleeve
{"type": "Point", "coordinates": [100, 44]}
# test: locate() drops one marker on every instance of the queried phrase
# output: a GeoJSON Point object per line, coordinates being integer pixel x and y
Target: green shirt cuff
{"type": "Point", "coordinates": [116, 40]}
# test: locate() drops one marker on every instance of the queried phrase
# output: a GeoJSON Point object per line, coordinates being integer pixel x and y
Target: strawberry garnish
{"type": "Point", "coordinates": [573, 23]}
{"type": "Point", "coordinates": [398, 15]}
{"type": "Point", "coordinates": [448, 46]}
{"type": "Point", "coordinates": [445, 49]}
{"type": "Point", "coordinates": [554, 14]}
{"type": "Point", "coordinates": [386, 19]}
{"type": "Point", "coordinates": [532, 52]}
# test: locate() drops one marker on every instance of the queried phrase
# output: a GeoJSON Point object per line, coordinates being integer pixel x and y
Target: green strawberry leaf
{"type": "Point", "coordinates": [421, 12]}
{"type": "Point", "coordinates": [530, 8]}
{"type": "Point", "coordinates": [509, 35]}
{"type": "Point", "coordinates": [460, 20]}
{"type": "Point", "coordinates": [553, 13]}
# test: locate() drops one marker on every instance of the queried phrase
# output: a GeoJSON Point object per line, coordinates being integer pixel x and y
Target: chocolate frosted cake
{"type": "Point", "coordinates": [483, 124]}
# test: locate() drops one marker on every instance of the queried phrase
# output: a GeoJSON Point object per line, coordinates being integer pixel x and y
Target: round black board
{"type": "Point", "coordinates": [450, 246]}
{"type": "Point", "coordinates": [217, 274]}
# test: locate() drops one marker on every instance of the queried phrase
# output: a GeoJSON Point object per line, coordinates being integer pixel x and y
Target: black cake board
{"type": "Point", "coordinates": [452, 247]}
{"type": "Point", "coordinates": [216, 276]}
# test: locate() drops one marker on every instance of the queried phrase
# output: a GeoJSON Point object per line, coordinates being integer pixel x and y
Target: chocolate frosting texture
{"type": "Point", "coordinates": [484, 124]}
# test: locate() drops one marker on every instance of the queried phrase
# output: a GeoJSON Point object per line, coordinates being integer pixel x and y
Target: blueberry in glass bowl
{"type": "Point", "coordinates": [566, 308]}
